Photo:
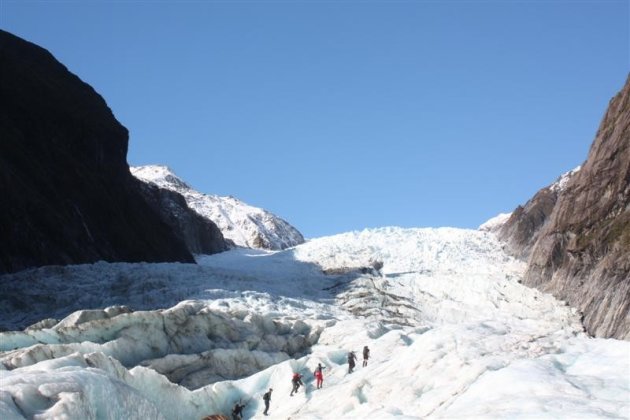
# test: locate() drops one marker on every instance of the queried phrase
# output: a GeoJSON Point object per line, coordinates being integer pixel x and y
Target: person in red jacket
{"type": "Point", "coordinates": [296, 381]}
{"type": "Point", "coordinates": [319, 375]}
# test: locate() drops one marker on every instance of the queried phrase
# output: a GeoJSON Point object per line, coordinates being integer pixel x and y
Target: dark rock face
{"type": "Point", "coordinates": [200, 235]}
{"type": "Point", "coordinates": [521, 230]}
{"type": "Point", "coordinates": [581, 252]}
{"type": "Point", "coordinates": [67, 193]}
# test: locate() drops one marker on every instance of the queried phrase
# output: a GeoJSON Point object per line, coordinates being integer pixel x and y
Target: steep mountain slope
{"type": "Point", "coordinates": [244, 225]}
{"type": "Point", "coordinates": [200, 234]}
{"type": "Point", "coordinates": [578, 237]}
{"type": "Point", "coordinates": [522, 228]}
{"type": "Point", "coordinates": [67, 194]}
{"type": "Point", "coordinates": [452, 333]}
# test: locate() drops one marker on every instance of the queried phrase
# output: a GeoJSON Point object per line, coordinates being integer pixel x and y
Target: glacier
{"type": "Point", "coordinates": [452, 333]}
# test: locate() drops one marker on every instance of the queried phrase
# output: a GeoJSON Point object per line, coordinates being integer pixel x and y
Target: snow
{"type": "Point", "coordinates": [495, 223]}
{"type": "Point", "coordinates": [244, 225]}
{"type": "Point", "coordinates": [451, 330]}
{"type": "Point", "coordinates": [561, 183]}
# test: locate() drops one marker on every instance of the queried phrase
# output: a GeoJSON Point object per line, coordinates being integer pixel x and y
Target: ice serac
{"type": "Point", "coordinates": [581, 253]}
{"type": "Point", "coordinates": [244, 225]}
{"type": "Point", "coordinates": [67, 193]}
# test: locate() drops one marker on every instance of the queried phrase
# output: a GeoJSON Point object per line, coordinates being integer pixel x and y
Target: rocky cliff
{"type": "Point", "coordinates": [521, 230]}
{"type": "Point", "coordinates": [67, 193]}
{"type": "Point", "coordinates": [578, 237]}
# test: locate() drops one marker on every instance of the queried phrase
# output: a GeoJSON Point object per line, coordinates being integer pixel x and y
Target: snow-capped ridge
{"type": "Point", "coordinates": [244, 225]}
{"type": "Point", "coordinates": [160, 175]}
{"type": "Point", "coordinates": [561, 183]}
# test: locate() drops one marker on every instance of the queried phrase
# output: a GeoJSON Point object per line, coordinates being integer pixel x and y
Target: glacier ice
{"type": "Point", "coordinates": [452, 332]}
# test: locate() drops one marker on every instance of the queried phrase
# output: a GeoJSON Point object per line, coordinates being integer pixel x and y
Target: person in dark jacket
{"type": "Point", "coordinates": [351, 361]}
{"type": "Point", "coordinates": [366, 355]}
{"type": "Point", "coordinates": [237, 411]}
{"type": "Point", "coordinates": [267, 399]}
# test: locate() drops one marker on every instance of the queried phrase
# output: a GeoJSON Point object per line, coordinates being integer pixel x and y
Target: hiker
{"type": "Point", "coordinates": [319, 375]}
{"type": "Point", "coordinates": [237, 411]}
{"type": "Point", "coordinates": [266, 399]}
{"type": "Point", "coordinates": [351, 359]}
{"type": "Point", "coordinates": [366, 355]}
{"type": "Point", "coordinates": [297, 381]}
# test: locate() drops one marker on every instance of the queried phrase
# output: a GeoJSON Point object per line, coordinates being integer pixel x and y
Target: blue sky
{"type": "Point", "coordinates": [349, 114]}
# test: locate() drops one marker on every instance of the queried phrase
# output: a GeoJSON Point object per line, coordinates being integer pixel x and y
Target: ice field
{"type": "Point", "coordinates": [451, 330]}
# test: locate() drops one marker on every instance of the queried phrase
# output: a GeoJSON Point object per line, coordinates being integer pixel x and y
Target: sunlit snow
{"type": "Point", "coordinates": [451, 330]}
{"type": "Point", "coordinates": [561, 183]}
{"type": "Point", "coordinates": [240, 223]}
{"type": "Point", "coordinates": [495, 223]}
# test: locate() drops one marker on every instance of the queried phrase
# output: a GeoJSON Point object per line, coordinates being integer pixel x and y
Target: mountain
{"type": "Point", "coordinates": [244, 225]}
{"type": "Point", "coordinates": [200, 234]}
{"type": "Point", "coordinates": [521, 228]}
{"type": "Point", "coordinates": [452, 332]}
{"type": "Point", "coordinates": [576, 236]}
{"type": "Point", "coordinates": [67, 194]}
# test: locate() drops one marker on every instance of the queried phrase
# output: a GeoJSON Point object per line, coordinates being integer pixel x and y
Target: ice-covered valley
{"type": "Point", "coordinates": [451, 330]}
